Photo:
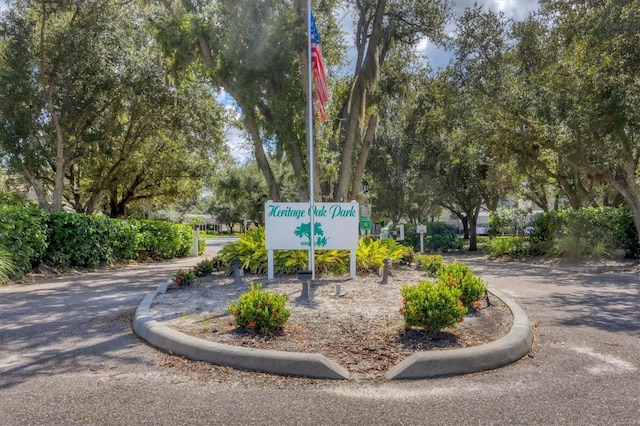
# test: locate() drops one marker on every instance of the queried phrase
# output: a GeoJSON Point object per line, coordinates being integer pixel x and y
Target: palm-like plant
{"type": "Point", "coordinates": [6, 265]}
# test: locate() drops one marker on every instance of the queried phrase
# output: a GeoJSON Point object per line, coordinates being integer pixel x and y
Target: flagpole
{"type": "Point", "coordinates": [310, 148]}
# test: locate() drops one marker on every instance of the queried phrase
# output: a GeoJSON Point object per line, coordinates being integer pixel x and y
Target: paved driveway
{"type": "Point", "coordinates": [67, 356]}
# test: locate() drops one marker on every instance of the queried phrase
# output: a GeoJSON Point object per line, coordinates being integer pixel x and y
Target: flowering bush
{"type": "Point", "coordinates": [459, 275]}
{"type": "Point", "coordinates": [260, 310]}
{"type": "Point", "coordinates": [429, 263]}
{"type": "Point", "coordinates": [184, 277]}
{"type": "Point", "coordinates": [431, 306]}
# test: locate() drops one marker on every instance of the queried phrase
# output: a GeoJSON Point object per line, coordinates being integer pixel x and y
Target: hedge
{"type": "Point", "coordinates": [23, 233]}
{"type": "Point", "coordinates": [594, 230]}
{"type": "Point", "coordinates": [62, 240]}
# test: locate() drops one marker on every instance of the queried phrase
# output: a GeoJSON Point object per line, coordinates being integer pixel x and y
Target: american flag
{"type": "Point", "coordinates": [319, 72]}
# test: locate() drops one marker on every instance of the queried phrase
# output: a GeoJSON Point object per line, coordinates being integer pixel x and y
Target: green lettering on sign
{"type": "Point", "coordinates": [337, 211]}
{"type": "Point", "coordinates": [276, 211]}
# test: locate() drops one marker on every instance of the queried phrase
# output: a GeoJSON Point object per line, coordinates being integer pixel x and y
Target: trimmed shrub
{"type": "Point", "coordinates": [431, 306]}
{"type": "Point", "coordinates": [184, 277]}
{"type": "Point", "coordinates": [430, 263]}
{"type": "Point", "coordinates": [87, 240]}
{"type": "Point", "coordinates": [208, 266]}
{"type": "Point", "coordinates": [125, 239]}
{"type": "Point", "coordinates": [260, 310]}
{"type": "Point", "coordinates": [441, 237]}
{"type": "Point", "coordinates": [460, 276]}
{"type": "Point", "coordinates": [23, 232]}
{"type": "Point", "coordinates": [62, 239]}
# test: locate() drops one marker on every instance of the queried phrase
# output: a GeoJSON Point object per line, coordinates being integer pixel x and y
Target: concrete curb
{"type": "Point", "coordinates": [506, 350]}
{"type": "Point", "coordinates": [276, 362]}
{"type": "Point", "coordinates": [422, 365]}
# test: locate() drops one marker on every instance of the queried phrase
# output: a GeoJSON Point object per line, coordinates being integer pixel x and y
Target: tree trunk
{"type": "Point", "coordinates": [98, 192]}
{"type": "Point", "coordinates": [628, 188]}
{"type": "Point", "coordinates": [539, 198]}
{"type": "Point", "coordinates": [74, 182]}
{"type": "Point", "coordinates": [463, 220]}
{"type": "Point", "coordinates": [108, 180]}
{"type": "Point", "coordinates": [37, 186]}
{"type": "Point", "coordinates": [364, 82]}
{"type": "Point", "coordinates": [47, 89]}
{"type": "Point", "coordinates": [472, 220]}
{"type": "Point", "coordinates": [58, 187]}
{"type": "Point", "coordinates": [301, 164]}
{"type": "Point", "coordinates": [261, 156]}
{"type": "Point", "coordinates": [634, 210]}
{"type": "Point", "coordinates": [369, 136]}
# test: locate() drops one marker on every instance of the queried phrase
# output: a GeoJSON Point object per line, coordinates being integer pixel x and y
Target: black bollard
{"type": "Point", "coordinates": [386, 270]}
{"type": "Point", "coordinates": [235, 264]}
{"type": "Point", "coordinates": [305, 277]}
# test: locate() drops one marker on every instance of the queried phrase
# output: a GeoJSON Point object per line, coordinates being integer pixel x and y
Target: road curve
{"type": "Point", "coordinates": [68, 356]}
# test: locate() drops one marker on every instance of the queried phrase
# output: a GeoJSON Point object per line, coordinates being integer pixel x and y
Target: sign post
{"type": "Point", "coordinates": [422, 229]}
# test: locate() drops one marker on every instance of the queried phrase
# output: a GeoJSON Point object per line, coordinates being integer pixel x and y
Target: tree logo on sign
{"type": "Point", "coordinates": [304, 231]}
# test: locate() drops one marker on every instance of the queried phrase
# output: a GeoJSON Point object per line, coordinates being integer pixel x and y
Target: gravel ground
{"type": "Point", "coordinates": [360, 327]}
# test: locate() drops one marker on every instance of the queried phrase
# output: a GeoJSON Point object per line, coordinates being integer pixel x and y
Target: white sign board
{"type": "Point", "coordinates": [422, 229]}
{"type": "Point", "coordinates": [288, 226]}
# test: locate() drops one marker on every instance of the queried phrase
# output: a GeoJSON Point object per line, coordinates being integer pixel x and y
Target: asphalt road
{"type": "Point", "coordinates": [67, 356]}
{"type": "Point", "coordinates": [215, 244]}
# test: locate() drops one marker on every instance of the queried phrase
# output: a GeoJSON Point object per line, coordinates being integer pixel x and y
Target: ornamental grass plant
{"type": "Point", "coordinates": [6, 266]}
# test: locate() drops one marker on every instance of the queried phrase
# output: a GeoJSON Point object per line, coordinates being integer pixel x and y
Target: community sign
{"type": "Point", "coordinates": [288, 226]}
